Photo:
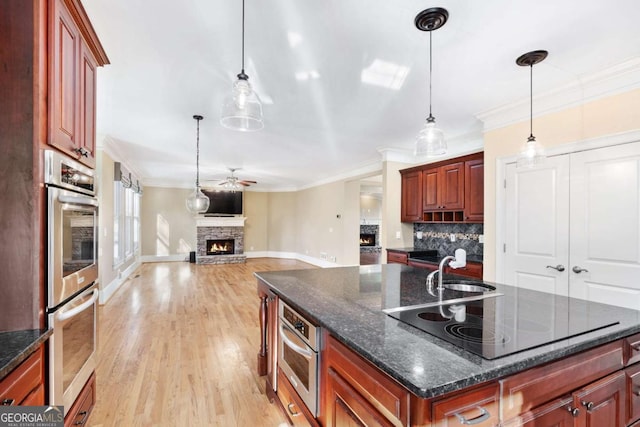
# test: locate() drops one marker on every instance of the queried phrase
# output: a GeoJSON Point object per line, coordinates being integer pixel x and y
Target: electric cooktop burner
{"type": "Point", "coordinates": [495, 327]}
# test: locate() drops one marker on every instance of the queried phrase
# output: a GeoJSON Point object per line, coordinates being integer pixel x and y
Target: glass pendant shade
{"type": "Point", "coordinates": [430, 141]}
{"type": "Point", "coordinates": [531, 154]}
{"type": "Point", "coordinates": [197, 202]}
{"type": "Point", "coordinates": [242, 109]}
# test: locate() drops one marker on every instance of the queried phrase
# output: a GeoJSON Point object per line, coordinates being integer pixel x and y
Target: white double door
{"type": "Point", "coordinates": [572, 227]}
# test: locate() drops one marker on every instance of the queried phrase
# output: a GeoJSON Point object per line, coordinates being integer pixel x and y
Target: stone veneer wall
{"type": "Point", "coordinates": [211, 233]}
{"type": "Point", "coordinates": [437, 236]}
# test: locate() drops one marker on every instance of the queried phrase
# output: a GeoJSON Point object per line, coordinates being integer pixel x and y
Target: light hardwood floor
{"type": "Point", "coordinates": [178, 346]}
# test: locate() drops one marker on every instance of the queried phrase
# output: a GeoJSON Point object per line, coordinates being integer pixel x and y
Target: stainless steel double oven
{"type": "Point", "coordinates": [298, 357]}
{"type": "Point", "coordinates": [72, 274]}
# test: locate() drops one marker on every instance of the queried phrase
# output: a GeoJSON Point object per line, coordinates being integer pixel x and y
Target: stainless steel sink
{"type": "Point", "coordinates": [469, 287]}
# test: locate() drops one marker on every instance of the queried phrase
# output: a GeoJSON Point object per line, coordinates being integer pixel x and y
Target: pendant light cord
{"type": "Point", "coordinates": [531, 103]}
{"type": "Point", "coordinates": [242, 36]}
{"type": "Point", "coordinates": [430, 69]}
{"type": "Point", "coordinates": [198, 155]}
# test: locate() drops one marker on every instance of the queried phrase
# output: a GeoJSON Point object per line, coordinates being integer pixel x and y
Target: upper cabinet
{"type": "Point", "coordinates": [443, 187]}
{"type": "Point", "coordinates": [411, 209]}
{"type": "Point", "coordinates": [75, 53]}
{"type": "Point", "coordinates": [447, 191]}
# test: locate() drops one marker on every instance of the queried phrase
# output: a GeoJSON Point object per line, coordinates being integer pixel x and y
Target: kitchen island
{"type": "Point", "coordinates": [348, 303]}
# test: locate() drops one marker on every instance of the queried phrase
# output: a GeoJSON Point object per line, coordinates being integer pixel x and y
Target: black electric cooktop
{"type": "Point", "coordinates": [497, 326]}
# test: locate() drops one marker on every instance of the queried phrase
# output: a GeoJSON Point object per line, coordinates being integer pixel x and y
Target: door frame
{"type": "Point", "coordinates": [568, 148]}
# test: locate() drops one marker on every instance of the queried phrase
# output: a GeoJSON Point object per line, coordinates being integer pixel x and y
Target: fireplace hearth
{"type": "Point", "coordinates": [220, 246]}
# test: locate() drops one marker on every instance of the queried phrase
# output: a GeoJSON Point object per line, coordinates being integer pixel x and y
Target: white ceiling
{"type": "Point", "coordinates": [307, 60]}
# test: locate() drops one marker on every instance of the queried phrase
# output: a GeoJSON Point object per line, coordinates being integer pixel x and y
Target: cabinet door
{"type": "Point", "coordinates": [430, 189]}
{"type": "Point", "coordinates": [347, 407]}
{"type": "Point", "coordinates": [64, 95]}
{"type": "Point", "coordinates": [87, 140]}
{"type": "Point", "coordinates": [411, 203]}
{"type": "Point", "coordinates": [474, 190]}
{"type": "Point", "coordinates": [602, 403]}
{"type": "Point", "coordinates": [557, 413]}
{"type": "Point", "coordinates": [451, 191]}
{"type": "Point", "coordinates": [633, 393]}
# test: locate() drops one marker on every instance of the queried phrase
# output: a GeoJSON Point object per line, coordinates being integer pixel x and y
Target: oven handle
{"type": "Point", "coordinates": [64, 315]}
{"type": "Point", "coordinates": [78, 200]}
{"type": "Point", "coordinates": [295, 347]}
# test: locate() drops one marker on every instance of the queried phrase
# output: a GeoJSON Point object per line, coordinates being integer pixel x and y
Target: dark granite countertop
{"type": "Point", "coordinates": [16, 346]}
{"type": "Point", "coordinates": [348, 302]}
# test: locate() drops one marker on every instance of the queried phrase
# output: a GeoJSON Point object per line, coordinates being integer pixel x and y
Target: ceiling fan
{"type": "Point", "coordinates": [232, 182]}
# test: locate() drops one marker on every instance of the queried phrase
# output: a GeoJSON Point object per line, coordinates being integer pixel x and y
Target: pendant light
{"type": "Point", "coordinates": [532, 152]}
{"type": "Point", "coordinates": [242, 109]}
{"type": "Point", "coordinates": [197, 202]}
{"type": "Point", "coordinates": [430, 140]}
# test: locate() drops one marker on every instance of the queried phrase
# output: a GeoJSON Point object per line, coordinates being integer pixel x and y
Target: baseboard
{"type": "Point", "coordinates": [107, 291]}
{"type": "Point", "coordinates": [164, 258]}
{"type": "Point", "coordinates": [251, 254]}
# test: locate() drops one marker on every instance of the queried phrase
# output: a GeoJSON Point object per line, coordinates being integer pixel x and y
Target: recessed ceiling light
{"type": "Point", "coordinates": [294, 38]}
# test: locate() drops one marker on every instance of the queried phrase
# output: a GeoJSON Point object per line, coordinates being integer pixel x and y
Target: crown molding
{"type": "Point", "coordinates": [613, 80]}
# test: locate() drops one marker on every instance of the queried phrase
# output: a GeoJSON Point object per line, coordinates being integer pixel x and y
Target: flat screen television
{"type": "Point", "coordinates": [224, 203]}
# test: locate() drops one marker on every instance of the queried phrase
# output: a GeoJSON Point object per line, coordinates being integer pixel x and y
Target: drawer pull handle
{"type": "Point", "coordinates": [558, 267]}
{"type": "Point", "coordinates": [588, 405]}
{"type": "Point", "coordinates": [484, 415]}
{"type": "Point", "coordinates": [8, 402]}
{"type": "Point", "coordinates": [574, 411]}
{"type": "Point", "coordinates": [291, 411]}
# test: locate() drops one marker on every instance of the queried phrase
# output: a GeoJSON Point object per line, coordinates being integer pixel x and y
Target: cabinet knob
{"type": "Point", "coordinates": [293, 412]}
{"type": "Point", "coordinates": [573, 411]}
{"type": "Point", "coordinates": [588, 405]}
{"type": "Point", "coordinates": [8, 402]}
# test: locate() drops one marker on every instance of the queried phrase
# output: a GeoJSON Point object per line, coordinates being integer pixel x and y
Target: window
{"type": "Point", "coordinates": [126, 222]}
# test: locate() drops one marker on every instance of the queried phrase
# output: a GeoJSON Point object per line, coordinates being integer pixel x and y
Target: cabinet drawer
{"type": "Point", "coordinates": [397, 257]}
{"type": "Point", "coordinates": [633, 393]}
{"type": "Point", "coordinates": [632, 349]}
{"type": "Point", "coordinates": [478, 407]}
{"type": "Point", "coordinates": [423, 265]}
{"type": "Point", "coordinates": [531, 388]}
{"type": "Point", "coordinates": [293, 406]}
{"type": "Point", "coordinates": [83, 406]}
{"type": "Point", "coordinates": [16, 386]}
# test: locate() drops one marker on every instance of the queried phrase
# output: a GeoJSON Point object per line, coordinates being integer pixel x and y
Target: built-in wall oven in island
{"type": "Point", "coordinates": [72, 274]}
{"type": "Point", "coordinates": [298, 357]}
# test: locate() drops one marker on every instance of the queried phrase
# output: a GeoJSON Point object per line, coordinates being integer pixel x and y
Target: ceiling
{"type": "Point", "coordinates": [339, 80]}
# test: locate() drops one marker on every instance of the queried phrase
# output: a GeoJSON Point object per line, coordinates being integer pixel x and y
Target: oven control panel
{"type": "Point", "coordinates": [305, 329]}
{"type": "Point", "coordinates": [296, 321]}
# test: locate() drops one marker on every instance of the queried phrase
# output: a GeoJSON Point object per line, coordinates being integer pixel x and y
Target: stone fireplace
{"type": "Point", "coordinates": [220, 240]}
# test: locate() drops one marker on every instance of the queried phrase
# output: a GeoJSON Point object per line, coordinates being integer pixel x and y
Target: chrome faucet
{"type": "Point", "coordinates": [431, 275]}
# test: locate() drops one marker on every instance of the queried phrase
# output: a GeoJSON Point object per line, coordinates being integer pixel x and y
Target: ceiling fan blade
{"type": "Point", "coordinates": [247, 181]}
{"type": "Point", "coordinates": [243, 183]}
{"type": "Point", "coordinates": [223, 182]}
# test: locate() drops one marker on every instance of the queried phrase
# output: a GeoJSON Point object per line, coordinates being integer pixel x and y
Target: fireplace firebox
{"type": "Point", "coordinates": [220, 247]}
{"type": "Point", "coordinates": [367, 239]}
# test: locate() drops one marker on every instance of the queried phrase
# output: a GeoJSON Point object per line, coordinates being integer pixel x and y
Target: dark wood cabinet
{"type": "Point", "coordinates": [292, 404]}
{"type": "Point", "coordinates": [81, 409]}
{"type": "Point", "coordinates": [447, 191]}
{"type": "Point", "coordinates": [474, 190]}
{"type": "Point", "coordinates": [411, 197]}
{"type": "Point", "coordinates": [357, 393]}
{"type": "Point", "coordinates": [396, 257]}
{"type": "Point", "coordinates": [25, 384]}
{"type": "Point", "coordinates": [73, 49]}
{"type": "Point", "coordinates": [558, 413]}
{"type": "Point", "coordinates": [443, 187]}
{"type": "Point", "coordinates": [602, 403]}
{"type": "Point", "coordinates": [633, 393]}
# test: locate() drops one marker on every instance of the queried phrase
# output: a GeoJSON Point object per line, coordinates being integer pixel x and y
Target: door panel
{"type": "Point", "coordinates": [604, 230]}
{"type": "Point", "coordinates": [537, 204]}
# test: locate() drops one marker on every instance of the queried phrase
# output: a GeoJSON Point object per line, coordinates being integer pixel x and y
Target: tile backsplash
{"type": "Point", "coordinates": [438, 236]}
